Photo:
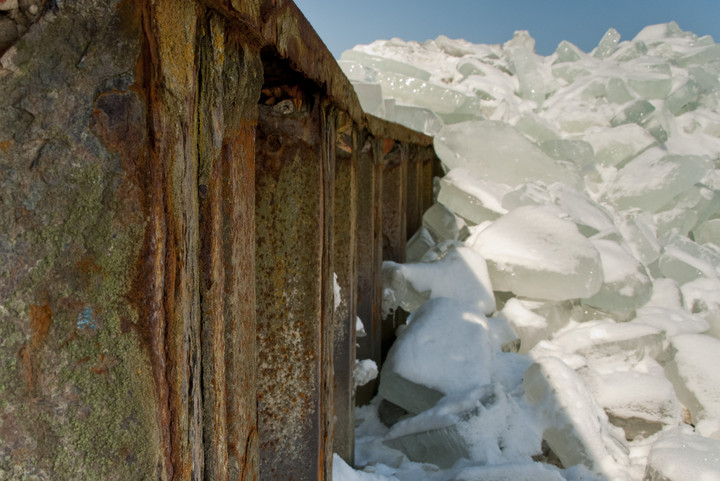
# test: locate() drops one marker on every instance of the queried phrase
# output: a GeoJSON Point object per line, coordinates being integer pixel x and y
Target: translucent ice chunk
{"type": "Point", "coordinates": [569, 72]}
{"type": "Point", "coordinates": [693, 371]}
{"type": "Point", "coordinates": [672, 321]}
{"type": "Point", "coordinates": [495, 151]}
{"type": "Point", "coordinates": [623, 340]}
{"type": "Point", "coordinates": [444, 329]}
{"type": "Point", "coordinates": [649, 182]}
{"type": "Point", "coordinates": [705, 81]}
{"type": "Point", "coordinates": [443, 224]}
{"type": "Point", "coordinates": [589, 216]}
{"type": "Point", "coordinates": [357, 72]}
{"type": "Point", "coordinates": [683, 99]}
{"type": "Point", "coordinates": [650, 86]}
{"type": "Point", "coordinates": [567, 52]}
{"type": "Point", "coordinates": [577, 151]}
{"type": "Point", "coordinates": [608, 44]}
{"type": "Point", "coordinates": [510, 472]}
{"type": "Point", "coordinates": [370, 97]}
{"type": "Point", "coordinates": [476, 425]}
{"type": "Point", "coordinates": [530, 326]}
{"type": "Point", "coordinates": [474, 199]}
{"type": "Point", "coordinates": [576, 427]}
{"type": "Point", "coordinates": [531, 82]}
{"type": "Point", "coordinates": [701, 55]}
{"type": "Point", "coordinates": [685, 260]}
{"type": "Point", "coordinates": [686, 210]}
{"type": "Point", "coordinates": [535, 128]}
{"type": "Point", "coordinates": [383, 64]}
{"type": "Point", "coordinates": [682, 455]}
{"type": "Point", "coordinates": [639, 231]}
{"type": "Point", "coordinates": [701, 295]}
{"type": "Point", "coordinates": [417, 118]}
{"type": "Point", "coordinates": [418, 245]}
{"type": "Point", "coordinates": [708, 231]}
{"type": "Point", "coordinates": [531, 193]}
{"type": "Point", "coordinates": [617, 91]}
{"type": "Point", "coordinates": [533, 253]}
{"type": "Point", "coordinates": [640, 400]}
{"type": "Point", "coordinates": [618, 145]}
{"type": "Point", "coordinates": [461, 274]}
{"type": "Point", "coordinates": [421, 93]}
{"type": "Point", "coordinates": [626, 285]}
{"type": "Point", "coordinates": [637, 112]}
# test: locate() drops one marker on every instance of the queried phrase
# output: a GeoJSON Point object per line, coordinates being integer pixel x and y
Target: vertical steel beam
{"type": "Point", "coordinates": [291, 285]}
{"type": "Point", "coordinates": [344, 265]}
{"type": "Point", "coordinates": [369, 256]}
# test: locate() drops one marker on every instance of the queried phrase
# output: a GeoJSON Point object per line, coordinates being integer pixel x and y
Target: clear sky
{"type": "Point", "coordinates": [343, 24]}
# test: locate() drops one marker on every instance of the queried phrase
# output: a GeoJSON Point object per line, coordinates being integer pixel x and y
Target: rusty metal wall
{"type": "Point", "coordinates": [181, 184]}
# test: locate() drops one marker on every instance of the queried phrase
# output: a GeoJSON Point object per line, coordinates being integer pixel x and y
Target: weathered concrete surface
{"type": "Point", "coordinates": [179, 181]}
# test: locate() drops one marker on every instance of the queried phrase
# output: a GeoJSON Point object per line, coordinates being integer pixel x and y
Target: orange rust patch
{"type": "Point", "coordinates": [5, 144]}
{"type": "Point", "coordinates": [25, 356]}
{"type": "Point", "coordinates": [40, 321]}
{"type": "Point", "coordinates": [387, 146]}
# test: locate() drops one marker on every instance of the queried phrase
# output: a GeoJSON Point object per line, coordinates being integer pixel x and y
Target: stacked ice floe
{"type": "Point", "coordinates": [564, 290]}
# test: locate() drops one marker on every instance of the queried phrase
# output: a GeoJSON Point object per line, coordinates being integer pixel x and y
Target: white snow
{"type": "Point", "coordinates": [579, 217]}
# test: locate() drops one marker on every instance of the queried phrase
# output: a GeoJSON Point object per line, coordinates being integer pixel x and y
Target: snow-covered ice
{"type": "Point", "coordinates": [564, 289]}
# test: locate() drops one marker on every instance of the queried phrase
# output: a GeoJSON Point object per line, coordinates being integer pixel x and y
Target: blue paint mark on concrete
{"type": "Point", "coordinates": [85, 319]}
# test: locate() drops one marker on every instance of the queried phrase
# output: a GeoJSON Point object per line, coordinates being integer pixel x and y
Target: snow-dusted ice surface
{"type": "Point", "coordinates": [565, 287]}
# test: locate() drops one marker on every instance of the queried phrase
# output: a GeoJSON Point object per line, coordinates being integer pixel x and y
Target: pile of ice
{"type": "Point", "coordinates": [564, 291]}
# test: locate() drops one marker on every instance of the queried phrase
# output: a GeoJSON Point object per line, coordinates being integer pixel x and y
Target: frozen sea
{"type": "Point", "coordinates": [564, 290]}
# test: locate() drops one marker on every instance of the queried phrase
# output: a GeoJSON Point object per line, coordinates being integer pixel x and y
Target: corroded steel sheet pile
{"type": "Point", "coordinates": [181, 184]}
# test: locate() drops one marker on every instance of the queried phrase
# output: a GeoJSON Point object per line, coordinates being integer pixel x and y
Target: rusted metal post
{"type": "Point", "coordinates": [344, 266]}
{"type": "Point", "coordinates": [414, 209]}
{"type": "Point", "coordinates": [394, 226]}
{"type": "Point", "coordinates": [369, 255]}
{"type": "Point", "coordinates": [291, 283]}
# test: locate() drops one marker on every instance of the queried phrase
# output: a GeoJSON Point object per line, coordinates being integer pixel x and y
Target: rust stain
{"type": "Point", "coordinates": [387, 146]}
{"type": "Point", "coordinates": [5, 146]}
{"type": "Point", "coordinates": [40, 321]}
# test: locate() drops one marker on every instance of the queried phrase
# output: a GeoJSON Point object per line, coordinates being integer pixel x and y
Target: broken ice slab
{"type": "Point", "coordinates": [530, 326]}
{"type": "Point", "coordinates": [650, 85]}
{"type": "Point", "coordinates": [443, 224]}
{"type": "Point", "coordinates": [532, 85]}
{"type": "Point", "coordinates": [569, 72]}
{"type": "Point", "coordinates": [683, 99]}
{"type": "Point", "coordinates": [639, 231]}
{"type": "Point", "coordinates": [701, 295]}
{"type": "Point", "coordinates": [474, 425]}
{"type": "Point", "coordinates": [370, 97]}
{"type": "Point", "coordinates": [638, 399]}
{"type": "Point", "coordinates": [521, 471]}
{"type": "Point", "coordinates": [567, 52]}
{"type": "Point", "coordinates": [671, 320]}
{"type": "Point", "coordinates": [534, 253]}
{"type": "Point", "coordinates": [608, 44]}
{"type": "Point", "coordinates": [688, 209]}
{"type": "Point", "coordinates": [693, 370]}
{"type": "Point", "coordinates": [637, 112]}
{"type": "Point", "coordinates": [708, 231]}
{"type": "Point", "coordinates": [422, 93]}
{"type": "Point", "coordinates": [699, 56]}
{"type": "Point", "coordinates": [535, 128]}
{"type": "Point", "coordinates": [650, 181]}
{"type": "Point", "coordinates": [684, 260]}
{"type": "Point", "coordinates": [705, 81]}
{"type": "Point", "coordinates": [578, 151]}
{"type": "Point", "coordinates": [618, 145]}
{"type": "Point", "coordinates": [444, 329]}
{"type": "Point", "coordinates": [383, 64]}
{"type": "Point", "coordinates": [418, 245]}
{"type": "Point", "coordinates": [416, 118]}
{"type": "Point", "coordinates": [617, 91]}
{"type": "Point", "coordinates": [530, 193]}
{"type": "Point", "coordinates": [589, 216]}
{"type": "Point", "coordinates": [493, 150]}
{"type": "Point", "coordinates": [626, 285]}
{"type": "Point", "coordinates": [681, 455]}
{"type": "Point", "coordinates": [357, 72]}
{"type": "Point", "coordinates": [575, 427]}
{"type": "Point", "coordinates": [628, 341]}
{"type": "Point", "coordinates": [503, 334]}
{"type": "Point", "coordinates": [460, 274]}
{"type": "Point", "coordinates": [477, 200]}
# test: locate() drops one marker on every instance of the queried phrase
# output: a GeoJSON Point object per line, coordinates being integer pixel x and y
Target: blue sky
{"type": "Point", "coordinates": [345, 23]}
